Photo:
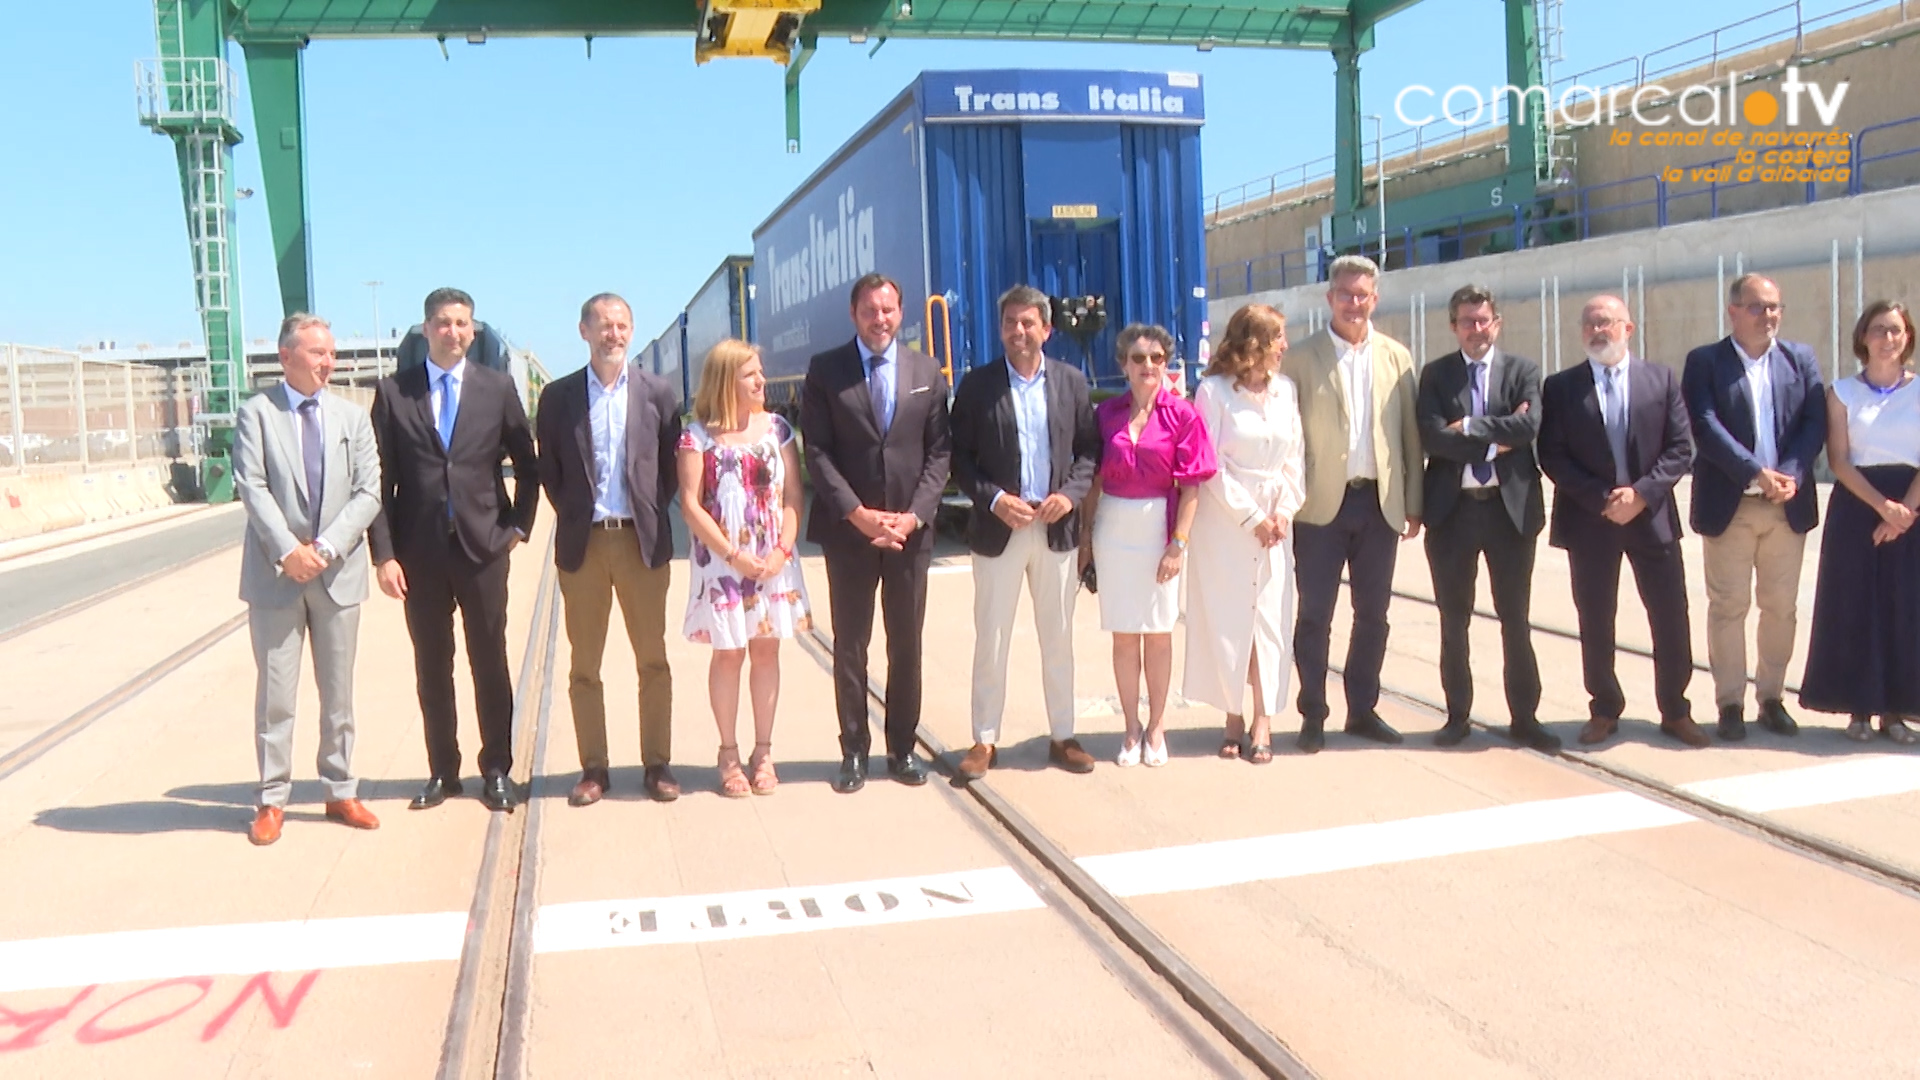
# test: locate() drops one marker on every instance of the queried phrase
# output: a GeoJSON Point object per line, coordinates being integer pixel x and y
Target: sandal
{"type": "Point", "coordinates": [1860, 728]}
{"type": "Point", "coordinates": [1895, 728]}
{"type": "Point", "coordinates": [1230, 746]}
{"type": "Point", "coordinates": [765, 780]}
{"type": "Point", "coordinates": [1260, 747]}
{"type": "Point", "coordinates": [733, 782]}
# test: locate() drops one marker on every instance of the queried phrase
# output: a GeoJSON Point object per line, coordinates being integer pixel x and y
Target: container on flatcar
{"type": "Point", "coordinates": [723, 308]}
{"type": "Point", "coordinates": [968, 183]}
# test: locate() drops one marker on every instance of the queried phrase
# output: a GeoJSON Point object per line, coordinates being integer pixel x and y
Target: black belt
{"type": "Point", "coordinates": [614, 523]}
{"type": "Point", "coordinates": [1482, 493]}
{"type": "Point", "coordinates": [1362, 482]}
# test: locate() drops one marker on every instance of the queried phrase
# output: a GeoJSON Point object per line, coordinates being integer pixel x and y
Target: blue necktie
{"type": "Point", "coordinates": [447, 409]}
{"type": "Point", "coordinates": [1482, 470]}
{"type": "Point", "coordinates": [882, 405]}
{"type": "Point", "coordinates": [313, 456]}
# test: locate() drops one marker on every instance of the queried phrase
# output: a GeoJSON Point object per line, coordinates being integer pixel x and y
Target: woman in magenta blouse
{"type": "Point", "coordinates": [1155, 454]}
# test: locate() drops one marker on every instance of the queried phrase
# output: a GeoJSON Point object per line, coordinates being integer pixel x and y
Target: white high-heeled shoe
{"type": "Point", "coordinates": [1129, 755]}
{"type": "Point", "coordinates": [1153, 758]}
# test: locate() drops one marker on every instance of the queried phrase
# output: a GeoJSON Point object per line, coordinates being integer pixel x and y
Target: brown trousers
{"type": "Point", "coordinates": [613, 566]}
{"type": "Point", "coordinates": [1755, 561]}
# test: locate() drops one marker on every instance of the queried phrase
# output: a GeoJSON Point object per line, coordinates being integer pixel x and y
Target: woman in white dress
{"type": "Point", "coordinates": [1240, 587]}
{"type": "Point", "coordinates": [740, 496]}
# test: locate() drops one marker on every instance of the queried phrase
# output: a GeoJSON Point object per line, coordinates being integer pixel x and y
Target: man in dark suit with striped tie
{"type": "Point", "coordinates": [444, 428]}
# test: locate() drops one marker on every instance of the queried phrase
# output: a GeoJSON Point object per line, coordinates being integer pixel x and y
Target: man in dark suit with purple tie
{"type": "Point", "coordinates": [1614, 439]}
{"type": "Point", "coordinates": [444, 429]}
{"type": "Point", "coordinates": [873, 413]}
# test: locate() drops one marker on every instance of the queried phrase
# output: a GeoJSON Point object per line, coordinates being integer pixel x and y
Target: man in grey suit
{"type": "Point", "coordinates": [308, 472]}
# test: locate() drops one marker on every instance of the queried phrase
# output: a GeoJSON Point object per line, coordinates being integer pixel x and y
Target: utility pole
{"type": "Point", "coordinates": [379, 358]}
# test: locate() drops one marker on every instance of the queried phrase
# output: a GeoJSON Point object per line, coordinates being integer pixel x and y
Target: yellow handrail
{"type": "Point", "coordinates": [946, 336]}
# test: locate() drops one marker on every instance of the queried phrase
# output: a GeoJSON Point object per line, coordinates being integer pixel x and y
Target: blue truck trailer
{"type": "Point", "coordinates": [968, 183]}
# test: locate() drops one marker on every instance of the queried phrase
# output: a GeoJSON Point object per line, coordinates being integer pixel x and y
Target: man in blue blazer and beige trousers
{"type": "Point", "coordinates": [1759, 415]}
{"type": "Point", "coordinates": [308, 472]}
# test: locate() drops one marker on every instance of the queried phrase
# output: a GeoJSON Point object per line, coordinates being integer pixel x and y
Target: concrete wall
{"type": "Point", "coordinates": [42, 499]}
{"type": "Point", "coordinates": [1882, 86]}
{"type": "Point", "coordinates": [1672, 276]}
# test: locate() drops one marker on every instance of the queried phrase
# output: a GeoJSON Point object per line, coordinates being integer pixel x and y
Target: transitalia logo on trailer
{"type": "Point", "coordinates": [1699, 105]}
{"type": "Point", "coordinates": [1149, 100]}
{"type": "Point", "coordinates": [838, 251]}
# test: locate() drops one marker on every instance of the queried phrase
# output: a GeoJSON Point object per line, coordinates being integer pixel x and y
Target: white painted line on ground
{"type": "Point", "coordinates": [1348, 847]}
{"type": "Point", "coordinates": [683, 920]}
{"type": "Point", "coordinates": [1815, 785]}
{"type": "Point", "coordinates": [246, 949]}
{"type": "Point", "coordinates": [960, 568]}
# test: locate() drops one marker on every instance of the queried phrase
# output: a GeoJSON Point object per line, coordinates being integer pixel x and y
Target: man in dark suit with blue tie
{"type": "Point", "coordinates": [444, 427]}
{"type": "Point", "coordinates": [1614, 439]}
{"type": "Point", "coordinates": [1479, 413]}
{"type": "Point", "coordinates": [873, 415]}
{"type": "Point", "coordinates": [1759, 414]}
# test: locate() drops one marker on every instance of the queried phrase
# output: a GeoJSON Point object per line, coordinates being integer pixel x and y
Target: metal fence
{"type": "Point", "coordinates": [60, 408]}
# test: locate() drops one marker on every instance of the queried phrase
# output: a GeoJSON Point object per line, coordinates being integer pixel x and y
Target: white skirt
{"type": "Point", "coordinates": [1129, 537]}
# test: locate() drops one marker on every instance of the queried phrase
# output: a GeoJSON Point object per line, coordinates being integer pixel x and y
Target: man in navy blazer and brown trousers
{"type": "Point", "coordinates": [873, 414]}
{"type": "Point", "coordinates": [444, 429]}
{"type": "Point", "coordinates": [1759, 414]}
{"type": "Point", "coordinates": [608, 434]}
{"type": "Point", "coordinates": [1614, 439]}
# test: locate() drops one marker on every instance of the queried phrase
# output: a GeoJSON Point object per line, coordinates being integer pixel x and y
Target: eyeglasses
{"type": "Point", "coordinates": [1156, 359]}
{"type": "Point", "coordinates": [1341, 296]}
{"type": "Point", "coordinates": [1477, 322]}
{"type": "Point", "coordinates": [1603, 323]}
{"type": "Point", "coordinates": [1886, 331]}
{"type": "Point", "coordinates": [1760, 311]}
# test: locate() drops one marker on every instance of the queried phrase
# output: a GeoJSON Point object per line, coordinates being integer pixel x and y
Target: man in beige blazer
{"type": "Point", "coordinates": [1357, 395]}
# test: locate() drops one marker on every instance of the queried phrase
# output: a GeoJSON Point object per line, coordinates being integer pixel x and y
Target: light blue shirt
{"type": "Point", "coordinates": [889, 381]}
{"type": "Point", "coordinates": [1036, 440]}
{"type": "Point", "coordinates": [607, 413]}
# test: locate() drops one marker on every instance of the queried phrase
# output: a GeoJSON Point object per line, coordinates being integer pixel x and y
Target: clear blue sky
{"type": "Point", "coordinates": [534, 177]}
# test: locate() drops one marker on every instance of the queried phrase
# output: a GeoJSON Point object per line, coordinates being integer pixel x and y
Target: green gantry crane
{"type": "Point", "coordinates": [188, 93]}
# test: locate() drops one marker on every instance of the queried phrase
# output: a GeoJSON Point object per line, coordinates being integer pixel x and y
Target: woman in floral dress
{"type": "Point", "coordinates": [740, 495]}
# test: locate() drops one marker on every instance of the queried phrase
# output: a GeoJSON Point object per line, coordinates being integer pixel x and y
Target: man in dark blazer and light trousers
{"type": "Point", "coordinates": [1614, 439]}
{"type": "Point", "coordinates": [444, 428]}
{"type": "Point", "coordinates": [1759, 414]}
{"type": "Point", "coordinates": [873, 414]}
{"type": "Point", "coordinates": [1479, 412]}
{"type": "Point", "coordinates": [608, 434]}
{"type": "Point", "coordinates": [1025, 449]}
{"type": "Point", "coordinates": [308, 473]}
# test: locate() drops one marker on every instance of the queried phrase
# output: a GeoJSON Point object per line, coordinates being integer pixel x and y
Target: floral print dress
{"type": "Point", "coordinates": [741, 487]}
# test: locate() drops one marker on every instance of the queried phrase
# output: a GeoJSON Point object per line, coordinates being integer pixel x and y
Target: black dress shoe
{"type": "Point", "coordinates": [1775, 718]}
{"type": "Point", "coordinates": [1453, 734]}
{"type": "Point", "coordinates": [1370, 726]}
{"type": "Point", "coordinates": [434, 793]}
{"type": "Point", "coordinates": [497, 792]}
{"type": "Point", "coordinates": [853, 774]}
{"type": "Point", "coordinates": [1732, 727]}
{"type": "Point", "coordinates": [1534, 735]}
{"type": "Point", "coordinates": [906, 770]}
{"type": "Point", "coordinates": [1313, 736]}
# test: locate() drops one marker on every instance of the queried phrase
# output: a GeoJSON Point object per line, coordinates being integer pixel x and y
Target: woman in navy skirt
{"type": "Point", "coordinates": [1863, 654]}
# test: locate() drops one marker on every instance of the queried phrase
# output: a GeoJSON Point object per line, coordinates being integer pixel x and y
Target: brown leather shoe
{"type": "Point", "coordinates": [1684, 729]}
{"type": "Point", "coordinates": [1069, 756]}
{"type": "Point", "coordinates": [592, 785]}
{"type": "Point", "coordinates": [352, 812]}
{"type": "Point", "coordinates": [1599, 730]}
{"type": "Point", "coordinates": [661, 786]}
{"type": "Point", "coordinates": [266, 826]}
{"type": "Point", "coordinates": [978, 760]}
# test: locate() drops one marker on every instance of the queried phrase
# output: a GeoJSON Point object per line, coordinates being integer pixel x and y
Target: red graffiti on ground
{"type": "Point", "coordinates": [146, 1008]}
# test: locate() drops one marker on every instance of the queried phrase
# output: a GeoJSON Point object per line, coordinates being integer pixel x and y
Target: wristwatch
{"type": "Point", "coordinates": [1179, 542]}
{"type": "Point", "coordinates": [325, 551]}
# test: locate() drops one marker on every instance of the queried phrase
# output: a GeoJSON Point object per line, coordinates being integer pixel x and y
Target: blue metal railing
{"type": "Point", "coordinates": [1544, 220]}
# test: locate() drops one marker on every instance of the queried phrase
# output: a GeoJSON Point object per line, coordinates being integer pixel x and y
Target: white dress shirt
{"type": "Point", "coordinates": [440, 379]}
{"type": "Point", "coordinates": [1355, 365]}
{"type": "Point", "coordinates": [1759, 375]}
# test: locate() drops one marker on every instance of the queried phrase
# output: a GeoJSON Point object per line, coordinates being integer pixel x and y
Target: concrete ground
{"type": "Point", "coordinates": [1385, 911]}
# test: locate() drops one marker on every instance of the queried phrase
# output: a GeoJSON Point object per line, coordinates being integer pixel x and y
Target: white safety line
{"type": "Point", "coordinates": [245, 949]}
